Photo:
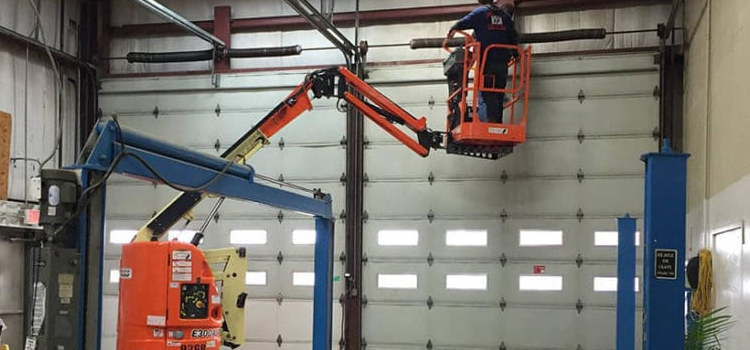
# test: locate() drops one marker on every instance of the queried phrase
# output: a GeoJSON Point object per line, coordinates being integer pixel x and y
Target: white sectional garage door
{"type": "Point", "coordinates": [459, 275]}
{"type": "Point", "coordinates": [445, 267]}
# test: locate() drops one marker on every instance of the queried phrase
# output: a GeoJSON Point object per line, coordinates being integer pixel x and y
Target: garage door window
{"type": "Point", "coordinates": [255, 278]}
{"type": "Point", "coordinates": [609, 284]}
{"type": "Point", "coordinates": [398, 237]}
{"type": "Point", "coordinates": [542, 283]}
{"type": "Point", "coordinates": [536, 238]}
{"type": "Point", "coordinates": [248, 237]}
{"type": "Point", "coordinates": [610, 238]}
{"type": "Point", "coordinates": [303, 278]}
{"type": "Point", "coordinates": [466, 282]}
{"type": "Point", "coordinates": [397, 281]}
{"type": "Point", "coordinates": [303, 237]}
{"type": "Point", "coordinates": [466, 238]}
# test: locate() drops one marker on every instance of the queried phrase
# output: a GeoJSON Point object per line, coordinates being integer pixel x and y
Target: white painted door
{"type": "Point", "coordinates": [458, 248]}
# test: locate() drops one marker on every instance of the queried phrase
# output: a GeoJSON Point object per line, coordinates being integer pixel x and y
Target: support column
{"type": "Point", "coordinates": [223, 31]}
{"type": "Point", "coordinates": [323, 294]}
{"type": "Point", "coordinates": [664, 250]}
{"type": "Point", "coordinates": [625, 283]}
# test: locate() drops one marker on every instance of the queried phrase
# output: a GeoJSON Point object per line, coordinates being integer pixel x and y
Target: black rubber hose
{"type": "Point", "coordinates": [265, 52]}
{"type": "Point", "coordinates": [530, 38]}
{"type": "Point", "coordinates": [207, 55]}
{"type": "Point", "coordinates": [169, 57]}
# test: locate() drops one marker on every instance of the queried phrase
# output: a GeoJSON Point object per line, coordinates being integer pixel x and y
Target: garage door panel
{"type": "Point", "coordinates": [566, 297]}
{"type": "Point", "coordinates": [601, 157]}
{"type": "Point", "coordinates": [542, 328]}
{"type": "Point", "coordinates": [627, 84]}
{"type": "Point", "coordinates": [601, 297]}
{"type": "Point", "coordinates": [538, 197]}
{"type": "Point", "coordinates": [404, 323]}
{"type": "Point", "coordinates": [261, 319]}
{"type": "Point", "coordinates": [297, 320]}
{"type": "Point", "coordinates": [322, 163]}
{"type": "Point", "coordinates": [109, 318]}
{"type": "Point", "coordinates": [470, 327]}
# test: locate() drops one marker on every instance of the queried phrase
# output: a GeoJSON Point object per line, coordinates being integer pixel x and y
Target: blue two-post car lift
{"type": "Point", "coordinates": [115, 149]}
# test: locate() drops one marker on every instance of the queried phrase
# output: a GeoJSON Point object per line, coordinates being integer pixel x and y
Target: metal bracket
{"type": "Point", "coordinates": [431, 102]}
{"type": "Point", "coordinates": [430, 302]}
{"type": "Point", "coordinates": [580, 176]}
{"type": "Point", "coordinates": [155, 112]}
{"type": "Point", "coordinates": [342, 343]}
{"type": "Point", "coordinates": [429, 344]}
{"type": "Point", "coordinates": [282, 144]}
{"type": "Point", "coordinates": [342, 258]}
{"type": "Point", "coordinates": [502, 346]}
{"type": "Point", "coordinates": [279, 298]}
{"type": "Point", "coordinates": [657, 92]}
{"type": "Point", "coordinates": [581, 136]}
{"type": "Point", "coordinates": [364, 301]}
{"type": "Point", "coordinates": [580, 215]}
{"type": "Point", "coordinates": [430, 259]}
{"type": "Point", "coordinates": [430, 216]}
{"type": "Point", "coordinates": [504, 177]}
{"type": "Point", "coordinates": [217, 145]}
{"type": "Point", "coordinates": [365, 217]}
{"type": "Point", "coordinates": [280, 216]}
{"type": "Point", "coordinates": [581, 96]}
{"type": "Point", "coordinates": [655, 133]}
{"type": "Point", "coordinates": [431, 178]}
{"type": "Point", "coordinates": [342, 216]}
{"type": "Point", "coordinates": [365, 259]}
{"type": "Point", "coordinates": [364, 343]}
{"type": "Point", "coordinates": [503, 304]}
{"type": "Point", "coordinates": [217, 217]}
{"type": "Point", "coordinates": [280, 257]}
{"type": "Point", "coordinates": [503, 259]}
{"type": "Point", "coordinates": [579, 306]}
{"type": "Point", "coordinates": [503, 215]}
{"type": "Point", "coordinates": [342, 179]}
{"type": "Point", "coordinates": [579, 260]}
{"type": "Point", "coordinates": [343, 141]}
{"type": "Point", "coordinates": [365, 179]}
{"type": "Point", "coordinates": [279, 340]}
{"type": "Point", "coordinates": [217, 110]}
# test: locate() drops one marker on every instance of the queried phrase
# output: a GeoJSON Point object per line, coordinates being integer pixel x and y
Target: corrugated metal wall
{"type": "Point", "coordinates": [29, 94]}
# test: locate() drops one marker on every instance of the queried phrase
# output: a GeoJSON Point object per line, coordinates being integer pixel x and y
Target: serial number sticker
{"type": "Point", "coordinates": [181, 255]}
{"type": "Point", "coordinates": [174, 343]}
{"type": "Point", "coordinates": [193, 347]}
{"type": "Point", "coordinates": [152, 320]}
{"type": "Point", "coordinates": [205, 333]}
{"type": "Point", "coordinates": [494, 130]}
{"type": "Point", "coordinates": [126, 273]}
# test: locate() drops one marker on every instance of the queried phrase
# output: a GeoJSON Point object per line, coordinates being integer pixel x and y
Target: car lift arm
{"type": "Point", "coordinates": [330, 82]}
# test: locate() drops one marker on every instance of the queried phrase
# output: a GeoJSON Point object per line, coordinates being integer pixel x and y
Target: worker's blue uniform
{"type": "Point", "coordinates": [492, 25]}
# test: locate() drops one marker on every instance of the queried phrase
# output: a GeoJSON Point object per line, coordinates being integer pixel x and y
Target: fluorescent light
{"type": "Point", "coordinates": [248, 237]}
{"type": "Point", "coordinates": [542, 283]}
{"type": "Point", "coordinates": [397, 281]}
{"type": "Point", "coordinates": [255, 278]}
{"type": "Point", "coordinates": [398, 237]}
{"type": "Point", "coordinates": [114, 276]}
{"type": "Point", "coordinates": [466, 282]}
{"type": "Point", "coordinates": [476, 238]}
{"type": "Point", "coordinates": [531, 238]}
{"type": "Point", "coordinates": [303, 278]}
{"type": "Point", "coordinates": [303, 237]}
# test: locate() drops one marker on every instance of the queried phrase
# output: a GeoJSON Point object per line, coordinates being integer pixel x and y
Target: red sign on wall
{"type": "Point", "coordinates": [540, 269]}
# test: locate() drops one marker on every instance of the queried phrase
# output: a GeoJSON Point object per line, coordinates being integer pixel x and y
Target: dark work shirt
{"type": "Point", "coordinates": [491, 25]}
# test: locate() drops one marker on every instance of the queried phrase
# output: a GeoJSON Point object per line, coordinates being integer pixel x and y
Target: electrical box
{"type": "Point", "coordinates": [58, 270]}
{"type": "Point", "coordinates": [59, 197]}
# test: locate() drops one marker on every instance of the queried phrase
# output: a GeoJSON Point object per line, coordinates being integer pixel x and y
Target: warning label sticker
{"type": "Point", "coordinates": [494, 130]}
{"type": "Point", "coordinates": [188, 263]}
{"type": "Point", "coordinates": [182, 277]}
{"type": "Point", "coordinates": [181, 255]}
{"type": "Point", "coordinates": [126, 273]}
{"type": "Point", "coordinates": [152, 320]}
{"type": "Point", "coordinates": [182, 269]}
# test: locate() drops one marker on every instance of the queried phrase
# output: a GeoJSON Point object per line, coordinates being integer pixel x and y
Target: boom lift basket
{"type": "Point", "coordinates": [467, 133]}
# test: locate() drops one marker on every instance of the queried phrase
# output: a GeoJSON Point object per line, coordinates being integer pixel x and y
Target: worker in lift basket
{"type": "Point", "coordinates": [492, 24]}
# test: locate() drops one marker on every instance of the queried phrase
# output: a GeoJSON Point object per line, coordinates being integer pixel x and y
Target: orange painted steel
{"type": "Point", "coordinates": [475, 131]}
{"type": "Point", "coordinates": [172, 308]}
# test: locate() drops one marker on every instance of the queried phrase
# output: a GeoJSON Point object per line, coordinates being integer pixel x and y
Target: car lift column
{"type": "Point", "coordinates": [664, 251]}
{"type": "Point", "coordinates": [625, 280]}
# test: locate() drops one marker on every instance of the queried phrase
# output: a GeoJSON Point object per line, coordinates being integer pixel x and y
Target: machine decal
{"type": "Point", "coordinates": [158, 333]}
{"type": "Point", "coordinates": [494, 130]}
{"type": "Point", "coordinates": [126, 273]}
{"type": "Point", "coordinates": [194, 301]}
{"type": "Point", "coordinates": [152, 320]}
{"type": "Point", "coordinates": [193, 347]}
{"type": "Point", "coordinates": [205, 333]}
{"type": "Point", "coordinates": [181, 255]}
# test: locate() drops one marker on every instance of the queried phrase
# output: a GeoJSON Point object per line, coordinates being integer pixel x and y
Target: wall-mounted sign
{"type": "Point", "coordinates": [665, 261]}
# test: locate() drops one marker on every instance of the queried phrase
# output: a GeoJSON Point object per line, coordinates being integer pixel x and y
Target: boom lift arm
{"type": "Point", "coordinates": [330, 82]}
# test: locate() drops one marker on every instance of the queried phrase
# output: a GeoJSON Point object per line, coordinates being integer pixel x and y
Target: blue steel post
{"type": "Point", "coordinates": [664, 251]}
{"type": "Point", "coordinates": [625, 283]}
{"type": "Point", "coordinates": [323, 293]}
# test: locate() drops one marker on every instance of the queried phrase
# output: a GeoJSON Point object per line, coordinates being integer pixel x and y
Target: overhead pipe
{"type": "Point", "coordinates": [169, 15]}
{"type": "Point", "coordinates": [528, 38]}
{"type": "Point", "coordinates": [325, 27]}
{"type": "Point", "coordinates": [208, 55]}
